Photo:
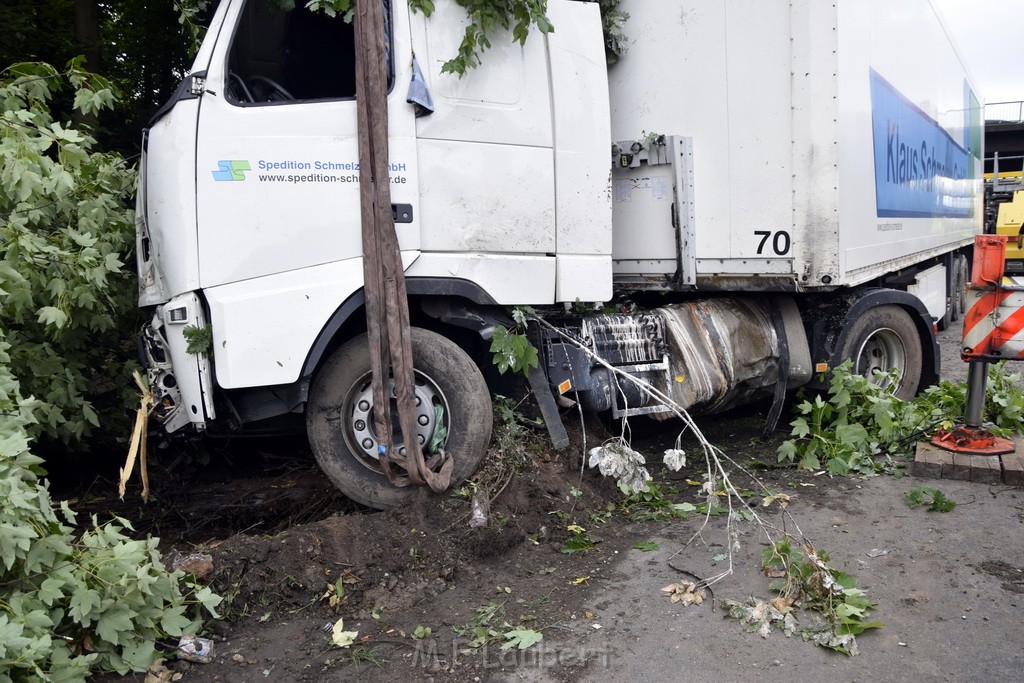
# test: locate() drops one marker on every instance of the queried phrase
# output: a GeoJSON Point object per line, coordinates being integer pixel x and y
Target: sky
{"type": "Point", "coordinates": [990, 35]}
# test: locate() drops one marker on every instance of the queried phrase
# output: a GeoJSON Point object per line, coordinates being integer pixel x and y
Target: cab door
{"type": "Point", "coordinates": [487, 149]}
{"type": "Point", "coordinates": [277, 167]}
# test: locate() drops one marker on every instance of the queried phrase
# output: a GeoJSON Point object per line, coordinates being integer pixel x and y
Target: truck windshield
{"type": "Point", "coordinates": [279, 55]}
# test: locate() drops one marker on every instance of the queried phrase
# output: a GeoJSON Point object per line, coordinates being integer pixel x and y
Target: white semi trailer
{"type": "Point", "coordinates": [776, 186]}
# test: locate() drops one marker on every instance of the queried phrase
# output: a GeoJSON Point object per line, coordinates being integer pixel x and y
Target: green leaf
{"type": "Point", "coordinates": [173, 620]}
{"type": "Point", "coordinates": [209, 600]}
{"type": "Point", "coordinates": [11, 637]}
{"type": "Point", "coordinates": [114, 622]}
{"type": "Point", "coordinates": [83, 604]}
{"type": "Point", "coordinates": [646, 546]}
{"type": "Point", "coordinates": [15, 541]}
{"type": "Point", "coordinates": [926, 495]}
{"type": "Point", "coordinates": [139, 655]}
{"type": "Point", "coordinates": [940, 503]}
{"type": "Point", "coordinates": [810, 461]}
{"type": "Point", "coordinates": [577, 543]}
{"type": "Point", "coordinates": [513, 350]}
{"type": "Point", "coordinates": [854, 436]}
{"type": "Point", "coordinates": [837, 467]}
{"type": "Point", "coordinates": [859, 627]}
{"type": "Point", "coordinates": [787, 451]}
{"type": "Point", "coordinates": [519, 315]}
{"type": "Point", "coordinates": [846, 612]}
{"type": "Point", "coordinates": [200, 340]}
{"type": "Point", "coordinates": [49, 315]}
{"type": "Point", "coordinates": [522, 639]}
{"type": "Point", "coordinates": [424, 7]}
{"type": "Point", "coordinates": [50, 591]}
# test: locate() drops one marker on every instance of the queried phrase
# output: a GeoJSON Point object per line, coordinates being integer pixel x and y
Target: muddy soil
{"type": "Point", "coordinates": [948, 586]}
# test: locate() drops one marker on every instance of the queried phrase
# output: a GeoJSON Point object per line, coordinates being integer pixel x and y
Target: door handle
{"type": "Point", "coordinates": [402, 213]}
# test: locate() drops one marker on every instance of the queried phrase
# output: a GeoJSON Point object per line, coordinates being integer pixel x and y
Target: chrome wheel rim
{"type": "Point", "coordinates": [360, 429]}
{"type": "Point", "coordinates": [883, 351]}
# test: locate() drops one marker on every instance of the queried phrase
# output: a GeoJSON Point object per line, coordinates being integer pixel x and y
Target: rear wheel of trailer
{"type": "Point", "coordinates": [884, 339]}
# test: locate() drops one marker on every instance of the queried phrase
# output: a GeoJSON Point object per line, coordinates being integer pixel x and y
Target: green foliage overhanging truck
{"type": "Point", "coordinates": [755, 192]}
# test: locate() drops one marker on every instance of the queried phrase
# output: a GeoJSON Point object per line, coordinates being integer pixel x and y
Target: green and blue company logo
{"type": "Point", "coordinates": [231, 170]}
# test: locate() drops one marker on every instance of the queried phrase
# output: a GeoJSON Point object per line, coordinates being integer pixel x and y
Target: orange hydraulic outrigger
{"type": "Point", "coordinates": [993, 331]}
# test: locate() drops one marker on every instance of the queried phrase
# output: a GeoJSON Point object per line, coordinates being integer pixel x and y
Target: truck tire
{"type": "Point", "coordinates": [339, 415]}
{"type": "Point", "coordinates": [885, 338]}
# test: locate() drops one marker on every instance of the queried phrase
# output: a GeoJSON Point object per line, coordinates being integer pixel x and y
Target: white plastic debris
{"type": "Point", "coordinates": [480, 508]}
{"type": "Point", "coordinates": [195, 649]}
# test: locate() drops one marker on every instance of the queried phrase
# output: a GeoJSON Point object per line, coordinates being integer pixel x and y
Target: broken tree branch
{"type": "Point", "coordinates": [713, 458]}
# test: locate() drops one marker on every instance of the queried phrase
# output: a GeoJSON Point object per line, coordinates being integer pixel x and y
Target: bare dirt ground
{"type": "Point", "coordinates": [949, 587]}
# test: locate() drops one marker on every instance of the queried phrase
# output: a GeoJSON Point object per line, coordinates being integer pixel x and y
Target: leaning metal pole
{"type": "Point", "coordinates": [977, 371]}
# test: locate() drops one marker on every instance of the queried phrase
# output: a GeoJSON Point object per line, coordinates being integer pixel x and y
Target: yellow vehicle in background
{"type": "Point", "coordinates": [1010, 222]}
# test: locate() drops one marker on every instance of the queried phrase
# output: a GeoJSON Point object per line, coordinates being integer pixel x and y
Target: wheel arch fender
{"type": "Point", "coordinates": [345, 324]}
{"type": "Point", "coordinates": [829, 342]}
{"type": "Point", "coordinates": [260, 403]}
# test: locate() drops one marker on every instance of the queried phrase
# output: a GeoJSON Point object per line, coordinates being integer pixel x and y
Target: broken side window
{"type": "Point", "coordinates": [294, 55]}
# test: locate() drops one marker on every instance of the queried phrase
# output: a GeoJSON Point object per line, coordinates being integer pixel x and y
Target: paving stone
{"type": "Point", "coordinates": [930, 461]}
{"type": "Point", "coordinates": [1013, 466]}
{"type": "Point", "coordinates": [985, 469]}
{"type": "Point", "coordinates": [961, 467]}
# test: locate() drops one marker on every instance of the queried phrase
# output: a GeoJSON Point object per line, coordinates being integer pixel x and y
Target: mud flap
{"type": "Point", "coordinates": [779, 398]}
{"type": "Point", "coordinates": [548, 408]}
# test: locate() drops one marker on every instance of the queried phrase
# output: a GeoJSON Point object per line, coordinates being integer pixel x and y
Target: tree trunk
{"type": "Point", "coordinates": [87, 32]}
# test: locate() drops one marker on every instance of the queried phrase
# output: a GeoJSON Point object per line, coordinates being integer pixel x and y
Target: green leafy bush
{"type": "Point", "coordinates": [805, 577]}
{"type": "Point", "coordinates": [612, 21]}
{"type": "Point", "coordinates": [860, 419]}
{"type": "Point", "coordinates": [1004, 401]}
{"type": "Point", "coordinates": [70, 603]}
{"type": "Point", "coordinates": [486, 18]}
{"type": "Point", "coordinates": [934, 499]}
{"type": "Point", "coordinates": [654, 504]}
{"type": "Point", "coordinates": [512, 349]}
{"type": "Point", "coordinates": [65, 233]}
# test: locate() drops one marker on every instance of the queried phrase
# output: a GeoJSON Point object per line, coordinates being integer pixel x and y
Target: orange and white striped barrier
{"type": "Point", "coordinates": [994, 324]}
{"type": "Point", "coordinates": [993, 330]}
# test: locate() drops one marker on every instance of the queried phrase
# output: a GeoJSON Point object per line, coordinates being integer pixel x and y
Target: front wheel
{"type": "Point", "coordinates": [885, 338]}
{"type": "Point", "coordinates": [453, 411]}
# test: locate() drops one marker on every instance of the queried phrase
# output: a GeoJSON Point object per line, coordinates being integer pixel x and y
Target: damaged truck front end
{"type": "Point", "coordinates": [167, 253]}
{"type": "Point", "coordinates": [181, 382]}
{"type": "Point", "coordinates": [167, 265]}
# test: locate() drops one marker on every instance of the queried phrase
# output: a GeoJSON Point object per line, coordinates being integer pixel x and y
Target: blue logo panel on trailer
{"type": "Point", "coordinates": [920, 171]}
